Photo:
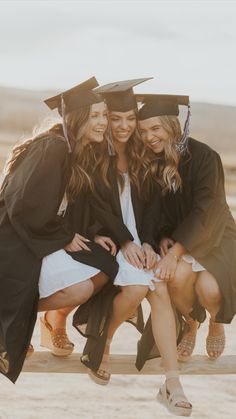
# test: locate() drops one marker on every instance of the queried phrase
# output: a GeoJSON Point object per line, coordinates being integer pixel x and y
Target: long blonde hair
{"type": "Point", "coordinates": [167, 174]}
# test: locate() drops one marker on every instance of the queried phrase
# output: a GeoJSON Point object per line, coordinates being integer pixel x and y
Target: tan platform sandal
{"type": "Point", "coordinates": [55, 339]}
{"type": "Point", "coordinates": [187, 343]}
{"type": "Point", "coordinates": [30, 351]}
{"type": "Point", "coordinates": [215, 343]}
{"type": "Point", "coordinates": [102, 375]}
{"type": "Point", "coordinates": [172, 400]}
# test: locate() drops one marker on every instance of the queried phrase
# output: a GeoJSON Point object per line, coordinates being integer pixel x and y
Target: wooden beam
{"type": "Point", "coordinates": [45, 362]}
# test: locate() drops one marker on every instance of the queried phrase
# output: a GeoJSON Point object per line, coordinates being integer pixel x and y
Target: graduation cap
{"type": "Point", "coordinates": [77, 97]}
{"type": "Point", "coordinates": [159, 105]}
{"type": "Point", "coordinates": [119, 95]}
{"type": "Point", "coordinates": [72, 99]}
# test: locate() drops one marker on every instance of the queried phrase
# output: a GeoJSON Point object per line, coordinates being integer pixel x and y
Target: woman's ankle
{"type": "Point", "coordinates": [56, 319]}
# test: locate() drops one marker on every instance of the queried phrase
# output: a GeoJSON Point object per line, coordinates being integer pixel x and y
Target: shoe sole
{"type": "Point", "coordinates": [175, 410]}
{"type": "Point", "coordinates": [96, 379]}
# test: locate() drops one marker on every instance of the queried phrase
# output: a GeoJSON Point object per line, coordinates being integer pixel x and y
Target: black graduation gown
{"type": "Point", "coordinates": [199, 218]}
{"type": "Point", "coordinates": [79, 218]}
{"type": "Point", "coordinates": [92, 319]}
{"type": "Point", "coordinates": [107, 211]}
{"type": "Point", "coordinates": [29, 230]}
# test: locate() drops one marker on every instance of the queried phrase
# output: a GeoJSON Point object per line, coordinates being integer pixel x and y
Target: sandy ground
{"type": "Point", "coordinates": [59, 396]}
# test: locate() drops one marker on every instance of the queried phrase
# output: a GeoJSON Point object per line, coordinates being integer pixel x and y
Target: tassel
{"type": "Point", "coordinates": [110, 145]}
{"type": "Point", "coordinates": [182, 145]}
{"type": "Point", "coordinates": [63, 112]}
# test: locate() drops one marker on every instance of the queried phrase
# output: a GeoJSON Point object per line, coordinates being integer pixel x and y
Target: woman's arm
{"type": "Point", "coordinates": [206, 221]}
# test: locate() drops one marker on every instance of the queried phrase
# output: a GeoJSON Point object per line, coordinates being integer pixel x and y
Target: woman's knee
{"type": "Point", "coordinates": [184, 277]}
{"type": "Point", "coordinates": [134, 294]}
{"type": "Point", "coordinates": [207, 289]}
{"type": "Point", "coordinates": [160, 294]}
{"type": "Point", "coordinates": [79, 293]}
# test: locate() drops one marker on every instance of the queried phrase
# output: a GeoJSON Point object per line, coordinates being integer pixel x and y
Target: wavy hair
{"type": "Point", "coordinates": [138, 158]}
{"type": "Point", "coordinates": [166, 173]}
{"type": "Point", "coordinates": [84, 157]}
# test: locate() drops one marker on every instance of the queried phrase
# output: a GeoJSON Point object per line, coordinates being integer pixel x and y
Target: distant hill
{"type": "Point", "coordinates": [21, 110]}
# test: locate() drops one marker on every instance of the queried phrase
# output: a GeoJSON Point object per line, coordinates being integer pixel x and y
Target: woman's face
{"type": "Point", "coordinates": [123, 125]}
{"type": "Point", "coordinates": [97, 123]}
{"type": "Point", "coordinates": [153, 134]}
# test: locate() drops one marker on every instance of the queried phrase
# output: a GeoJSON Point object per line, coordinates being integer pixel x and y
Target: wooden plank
{"type": "Point", "coordinates": [45, 362]}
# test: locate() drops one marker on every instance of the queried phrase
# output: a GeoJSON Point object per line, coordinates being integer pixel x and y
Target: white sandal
{"type": "Point", "coordinates": [101, 376]}
{"type": "Point", "coordinates": [171, 400]}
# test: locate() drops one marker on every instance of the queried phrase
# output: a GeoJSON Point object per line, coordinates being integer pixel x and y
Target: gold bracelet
{"type": "Point", "coordinates": [177, 258]}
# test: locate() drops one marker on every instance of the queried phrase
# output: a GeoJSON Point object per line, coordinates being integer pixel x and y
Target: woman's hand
{"type": "Point", "coordinates": [165, 245]}
{"type": "Point", "coordinates": [167, 267]}
{"type": "Point", "coordinates": [106, 243]}
{"type": "Point", "coordinates": [150, 256]}
{"type": "Point", "coordinates": [78, 243]}
{"type": "Point", "coordinates": [133, 254]}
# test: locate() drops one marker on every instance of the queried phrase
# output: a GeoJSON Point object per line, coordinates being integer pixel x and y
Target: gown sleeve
{"type": "Point", "coordinates": [32, 197]}
{"type": "Point", "coordinates": [204, 226]}
{"type": "Point", "coordinates": [151, 218]}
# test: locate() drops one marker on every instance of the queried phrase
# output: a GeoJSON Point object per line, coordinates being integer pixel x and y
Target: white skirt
{"type": "Point", "coordinates": [129, 275]}
{"type": "Point", "coordinates": [59, 270]}
{"type": "Point", "coordinates": [196, 266]}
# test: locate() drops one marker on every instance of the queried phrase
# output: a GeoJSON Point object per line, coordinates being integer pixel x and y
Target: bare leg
{"type": "Point", "coordinates": [182, 292]}
{"type": "Point", "coordinates": [208, 293]}
{"type": "Point", "coordinates": [124, 306]}
{"type": "Point", "coordinates": [181, 289]}
{"type": "Point", "coordinates": [209, 296]}
{"type": "Point", "coordinates": [57, 318]}
{"type": "Point", "coordinates": [165, 337]}
{"type": "Point", "coordinates": [162, 315]}
{"type": "Point", "coordinates": [99, 281]}
{"type": "Point", "coordinates": [68, 297]}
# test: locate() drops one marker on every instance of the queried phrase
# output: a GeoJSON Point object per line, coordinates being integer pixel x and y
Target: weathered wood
{"type": "Point", "coordinates": [45, 362]}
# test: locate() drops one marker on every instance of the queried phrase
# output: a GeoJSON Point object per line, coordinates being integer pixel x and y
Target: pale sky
{"type": "Point", "coordinates": [188, 46]}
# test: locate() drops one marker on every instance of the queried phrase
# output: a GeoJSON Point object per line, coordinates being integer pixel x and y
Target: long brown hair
{"type": "Point", "coordinates": [137, 155]}
{"type": "Point", "coordinates": [84, 158]}
{"type": "Point", "coordinates": [167, 174]}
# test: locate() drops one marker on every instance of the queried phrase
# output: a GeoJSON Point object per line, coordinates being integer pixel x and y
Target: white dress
{"type": "Point", "coordinates": [128, 274]}
{"type": "Point", "coordinates": [59, 270]}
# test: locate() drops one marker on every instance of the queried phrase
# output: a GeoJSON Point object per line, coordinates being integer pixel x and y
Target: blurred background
{"type": "Point", "coordinates": [188, 47]}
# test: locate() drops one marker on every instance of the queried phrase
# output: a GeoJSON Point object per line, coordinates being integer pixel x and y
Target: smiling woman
{"type": "Point", "coordinates": [197, 233]}
{"type": "Point", "coordinates": [45, 216]}
{"type": "Point", "coordinates": [127, 210]}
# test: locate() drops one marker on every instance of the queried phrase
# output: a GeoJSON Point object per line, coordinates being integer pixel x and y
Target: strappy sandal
{"type": "Point", "coordinates": [187, 343]}
{"type": "Point", "coordinates": [101, 376]}
{"type": "Point", "coordinates": [55, 339]}
{"type": "Point", "coordinates": [215, 344]}
{"type": "Point", "coordinates": [172, 400]}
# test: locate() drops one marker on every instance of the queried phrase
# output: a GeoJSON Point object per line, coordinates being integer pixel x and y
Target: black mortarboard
{"type": "Point", "coordinates": [158, 105]}
{"type": "Point", "coordinates": [72, 99]}
{"type": "Point", "coordinates": [119, 95]}
{"type": "Point", "coordinates": [77, 97]}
